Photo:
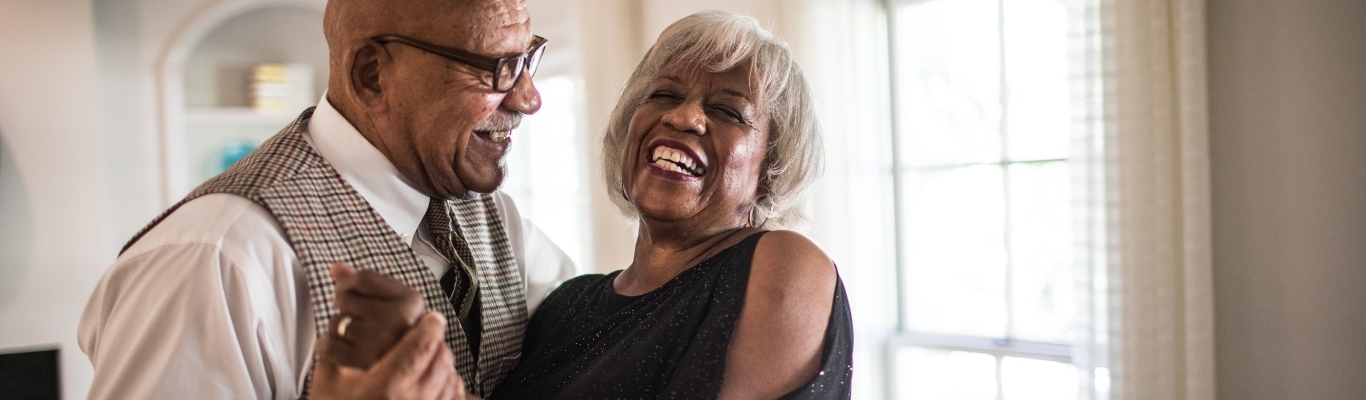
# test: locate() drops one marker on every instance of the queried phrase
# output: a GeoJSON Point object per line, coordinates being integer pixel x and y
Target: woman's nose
{"type": "Point", "coordinates": [687, 117]}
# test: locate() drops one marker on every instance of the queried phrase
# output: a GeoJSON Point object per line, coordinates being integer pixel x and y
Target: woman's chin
{"type": "Point", "coordinates": [663, 211]}
{"type": "Point", "coordinates": [662, 216]}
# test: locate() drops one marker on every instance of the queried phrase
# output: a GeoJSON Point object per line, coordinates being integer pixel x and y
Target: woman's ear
{"type": "Point", "coordinates": [366, 64]}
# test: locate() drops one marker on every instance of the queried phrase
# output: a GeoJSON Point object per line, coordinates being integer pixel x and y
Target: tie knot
{"type": "Point", "coordinates": [438, 217]}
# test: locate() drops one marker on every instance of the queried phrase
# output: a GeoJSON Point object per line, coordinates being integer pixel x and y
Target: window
{"type": "Point", "coordinates": [546, 173]}
{"type": "Point", "coordinates": [983, 105]}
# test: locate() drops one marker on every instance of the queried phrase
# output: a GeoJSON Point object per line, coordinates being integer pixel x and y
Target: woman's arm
{"type": "Point", "coordinates": [778, 339]}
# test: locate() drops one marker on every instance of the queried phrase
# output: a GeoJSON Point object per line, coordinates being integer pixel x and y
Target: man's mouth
{"type": "Point", "coordinates": [671, 159]}
{"type": "Point", "coordinates": [498, 126]}
{"type": "Point", "coordinates": [495, 136]}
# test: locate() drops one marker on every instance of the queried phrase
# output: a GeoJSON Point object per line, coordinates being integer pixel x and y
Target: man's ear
{"type": "Point", "coordinates": [366, 64]}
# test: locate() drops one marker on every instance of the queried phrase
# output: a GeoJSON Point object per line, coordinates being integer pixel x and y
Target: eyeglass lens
{"type": "Point", "coordinates": [512, 69]}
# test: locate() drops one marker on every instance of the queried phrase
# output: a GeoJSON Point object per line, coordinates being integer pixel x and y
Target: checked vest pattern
{"type": "Point", "coordinates": [326, 221]}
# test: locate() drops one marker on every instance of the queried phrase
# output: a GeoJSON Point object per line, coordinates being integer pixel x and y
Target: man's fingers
{"type": "Point", "coordinates": [370, 284]}
{"type": "Point", "coordinates": [325, 369]}
{"type": "Point", "coordinates": [340, 351]}
{"type": "Point", "coordinates": [373, 294]}
{"type": "Point", "coordinates": [341, 271]}
{"type": "Point", "coordinates": [414, 352]}
{"type": "Point", "coordinates": [373, 284]}
{"type": "Point", "coordinates": [406, 310]}
{"type": "Point", "coordinates": [334, 327]}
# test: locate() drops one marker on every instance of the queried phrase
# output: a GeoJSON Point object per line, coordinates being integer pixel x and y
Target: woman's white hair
{"type": "Point", "coordinates": [716, 41]}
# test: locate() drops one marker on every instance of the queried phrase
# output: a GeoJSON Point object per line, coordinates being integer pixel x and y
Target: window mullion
{"type": "Point", "coordinates": [1000, 383]}
{"type": "Point", "coordinates": [898, 214]}
{"type": "Point", "coordinates": [1005, 170]}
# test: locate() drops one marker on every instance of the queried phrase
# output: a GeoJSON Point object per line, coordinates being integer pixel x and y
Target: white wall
{"type": "Point", "coordinates": [126, 121]}
{"type": "Point", "coordinates": [609, 29]}
{"type": "Point", "coordinates": [53, 189]}
{"type": "Point", "coordinates": [1288, 152]}
{"type": "Point", "coordinates": [658, 14]}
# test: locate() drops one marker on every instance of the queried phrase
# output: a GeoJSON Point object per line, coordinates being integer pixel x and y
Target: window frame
{"type": "Point", "coordinates": [904, 336]}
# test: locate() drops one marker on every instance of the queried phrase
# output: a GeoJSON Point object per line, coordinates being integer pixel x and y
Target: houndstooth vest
{"type": "Point", "coordinates": [326, 221]}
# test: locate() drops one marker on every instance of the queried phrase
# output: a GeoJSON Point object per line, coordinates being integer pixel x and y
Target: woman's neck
{"type": "Point", "coordinates": [663, 253]}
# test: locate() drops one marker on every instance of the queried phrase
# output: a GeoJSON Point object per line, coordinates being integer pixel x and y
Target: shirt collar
{"type": "Point", "coordinates": [366, 169]}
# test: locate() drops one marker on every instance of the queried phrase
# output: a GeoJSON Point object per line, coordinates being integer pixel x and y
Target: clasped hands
{"type": "Point", "coordinates": [382, 344]}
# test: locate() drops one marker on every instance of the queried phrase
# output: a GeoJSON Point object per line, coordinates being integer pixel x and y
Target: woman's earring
{"type": "Point", "coordinates": [754, 210]}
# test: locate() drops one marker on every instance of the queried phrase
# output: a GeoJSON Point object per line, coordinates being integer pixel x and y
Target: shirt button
{"type": "Point", "coordinates": [407, 238]}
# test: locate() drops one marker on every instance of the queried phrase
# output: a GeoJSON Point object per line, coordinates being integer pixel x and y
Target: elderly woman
{"type": "Point", "coordinates": [713, 143]}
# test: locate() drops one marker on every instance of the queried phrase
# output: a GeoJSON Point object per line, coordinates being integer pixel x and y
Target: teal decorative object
{"type": "Point", "coordinates": [231, 152]}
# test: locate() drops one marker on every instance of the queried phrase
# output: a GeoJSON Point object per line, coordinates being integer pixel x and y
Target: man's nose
{"type": "Point", "coordinates": [687, 117]}
{"type": "Point", "coordinates": [523, 98]}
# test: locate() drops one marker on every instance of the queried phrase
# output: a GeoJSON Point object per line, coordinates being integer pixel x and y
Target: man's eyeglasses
{"type": "Point", "coordinates": [506, 70]}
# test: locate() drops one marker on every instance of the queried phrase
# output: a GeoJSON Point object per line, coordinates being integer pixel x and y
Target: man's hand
{"type": "Point", "coordinates": [373, 312]}
{"type": "Point", "coordinates": [420, 366]}
{"type": "Point", "coordinates": [381, 345]}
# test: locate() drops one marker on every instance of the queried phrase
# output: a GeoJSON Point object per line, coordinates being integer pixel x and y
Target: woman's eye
{"type": "Point", "coordinates": [663, 95]}
{"type": "Point", "coordinates": [730, 114]}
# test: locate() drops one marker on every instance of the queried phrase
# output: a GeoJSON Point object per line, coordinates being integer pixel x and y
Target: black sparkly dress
{"type": "Point", "coordinates": [588, 342]}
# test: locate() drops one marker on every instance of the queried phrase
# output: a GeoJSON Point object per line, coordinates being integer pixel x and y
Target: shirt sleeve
{"type": "Point", "coordinates": [544, 265]}
{"type": "Point", "coordinates": [199, 309]}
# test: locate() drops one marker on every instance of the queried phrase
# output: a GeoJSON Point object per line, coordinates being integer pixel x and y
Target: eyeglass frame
{"type": "Point", "coordinates": [486, 63]}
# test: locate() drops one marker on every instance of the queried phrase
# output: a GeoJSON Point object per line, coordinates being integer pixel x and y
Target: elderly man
{"type": "Point", "coordinates": [395, 173]}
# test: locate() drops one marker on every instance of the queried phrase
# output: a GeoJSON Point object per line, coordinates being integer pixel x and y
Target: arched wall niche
{"type": "Point", "coordinates": [180, 164]}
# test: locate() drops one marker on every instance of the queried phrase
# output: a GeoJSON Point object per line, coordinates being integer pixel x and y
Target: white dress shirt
{"type": "Point", "coordinates": [213, 302]}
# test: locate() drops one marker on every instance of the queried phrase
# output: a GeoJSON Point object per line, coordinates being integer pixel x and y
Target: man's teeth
{"type": "Point", "coordinates": [499, 136]}
{"type": "Point", "coordinates": [676, 160]}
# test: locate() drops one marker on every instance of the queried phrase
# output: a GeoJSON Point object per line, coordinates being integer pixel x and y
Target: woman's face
{"type": "Point", "coordinates": [695, 146]}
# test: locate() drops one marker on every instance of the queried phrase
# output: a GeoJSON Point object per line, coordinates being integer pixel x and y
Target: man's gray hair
{"type": "Point", "coordinates": [716, 41]}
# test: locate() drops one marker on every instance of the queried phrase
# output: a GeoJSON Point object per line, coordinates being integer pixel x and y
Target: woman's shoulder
{"type": "Point", "coordinates": [783, 259]}
{"type": "Point", "coordinates": [792, 275]}
{"type": "Point", "coordinates": [779, 337]}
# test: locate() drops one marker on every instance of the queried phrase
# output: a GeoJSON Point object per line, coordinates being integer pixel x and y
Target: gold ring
{"type": "Point", "coordinates": [341, 326]}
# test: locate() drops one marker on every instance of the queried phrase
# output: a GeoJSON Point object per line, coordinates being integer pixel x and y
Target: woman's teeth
{"type": "Point", "coordinates": [676, 161]}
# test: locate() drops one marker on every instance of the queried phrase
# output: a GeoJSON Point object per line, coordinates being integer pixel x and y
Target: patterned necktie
{"type": "Point", "coordinates": [461, 282]}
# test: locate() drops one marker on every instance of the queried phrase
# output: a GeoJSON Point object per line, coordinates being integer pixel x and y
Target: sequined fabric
{"type": "Point", "coordinates": [588, 342]}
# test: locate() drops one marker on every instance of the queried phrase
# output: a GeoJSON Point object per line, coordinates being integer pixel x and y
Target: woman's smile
{"type": "Point", "coordinates": [699, 151]}
{"type": "Point", "coordinates": [675, 160]}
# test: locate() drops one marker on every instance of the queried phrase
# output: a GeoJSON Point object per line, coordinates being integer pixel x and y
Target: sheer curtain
{"type": "Point", "coordinates": [1146, 249]}
{"type": "Point", "coordinates": [1141, 222]}
{"type": "Point", "coordinates": [843, 54]}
